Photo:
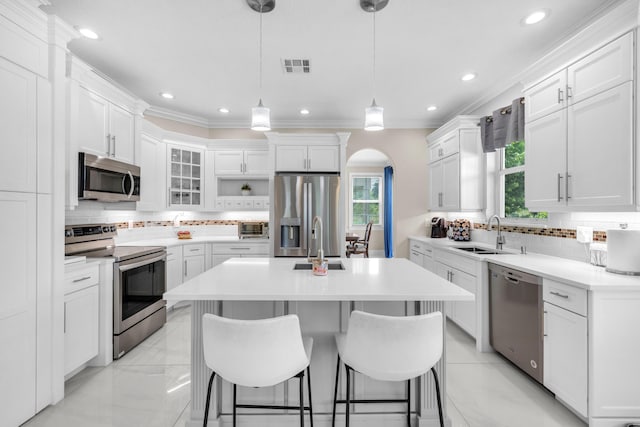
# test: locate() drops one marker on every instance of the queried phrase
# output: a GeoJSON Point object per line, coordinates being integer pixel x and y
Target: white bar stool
{"type": "Point", "coordinates": [389, 348]}
{"type": "Point", "coordinates": [256, 353]}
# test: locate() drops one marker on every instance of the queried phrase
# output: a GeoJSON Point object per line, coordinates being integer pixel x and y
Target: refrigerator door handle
{"type": "Point", "coordinates": [307, 217]}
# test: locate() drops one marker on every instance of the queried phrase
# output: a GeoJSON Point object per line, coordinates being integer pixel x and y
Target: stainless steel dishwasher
{"type": "Point", "coordinates": [516, 318]}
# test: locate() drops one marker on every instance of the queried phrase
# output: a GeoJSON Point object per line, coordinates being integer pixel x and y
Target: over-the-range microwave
{"type": "Point", "coordinates": [107, 180]}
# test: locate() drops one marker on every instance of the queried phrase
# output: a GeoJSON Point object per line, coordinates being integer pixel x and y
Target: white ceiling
{"type": "Point", "coordinates": [206, 53]}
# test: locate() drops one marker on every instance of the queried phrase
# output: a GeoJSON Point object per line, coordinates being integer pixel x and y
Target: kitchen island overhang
{"type": "Point", "coordinates": [253, 288]}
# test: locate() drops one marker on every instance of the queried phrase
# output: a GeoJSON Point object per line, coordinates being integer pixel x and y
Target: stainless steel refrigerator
{"type": "Point", "coordinates": [297, 199]}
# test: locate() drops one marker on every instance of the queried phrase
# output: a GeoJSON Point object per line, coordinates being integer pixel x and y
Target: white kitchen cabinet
{"type": "Point", "coordinates": [18, 133]}
{"type": "Point", "coordinates": [185, 177]}
{"type": "Point", "coordinates": [241, 162]}
{"type": "Point", "coordinates": [103, 128]}
{"type": "Point", "coordinates": [174, 269]}
{"type": "Point", "coordinates": [457, 167]}
{"type": "Point", "coordinates": [576, 159]}
{"type": "Point", "coordinates": [153, 161]}
{"type": "Point", "coordinates": [565, 356]}
{"type": "Point", "coordinates": [19, 265]}
{"type": "Point", "coordinates": [308, 158]}
{"type": "Point", "coordinates": [81, 326]}
{"type": "Point", "coordinates": [193, 260]}
{"type": "Point", "coordinates": [592, 164]}
{"type": "Point", "coordinates": [422, 254]}
{"type": "Point", "coordinates": [223, 251]}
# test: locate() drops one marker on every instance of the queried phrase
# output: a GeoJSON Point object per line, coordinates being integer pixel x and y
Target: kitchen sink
{"type": "Point", "coordinates": [479, 251]}
{"type": "Point", "coordinates": [309, 266]}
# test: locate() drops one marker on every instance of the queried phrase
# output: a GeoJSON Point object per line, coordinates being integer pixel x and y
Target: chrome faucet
{"type": "Point", "coordinates": [500, 240]}
{"type": "Point", "coordinates": [318, 220]}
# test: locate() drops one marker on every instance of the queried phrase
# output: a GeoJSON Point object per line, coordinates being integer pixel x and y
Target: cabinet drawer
{"type": "Point", "coordinates": [565, 296]}
{"type": "Point", "coordinates": [459, 262]}
{"type": "Point", "coordinates": [173, 252]}
{"type": "Point", "coordinates": [193, 249]}
{"type": "Point", "coordinates": [247, 204]}
{"type": "Point", "coordinates": [241, 248]}
{"type": "Point", "coordinates": [423, 248]}
{"type": "Point", "coordinates": [80, 277]}
{"type": "Point", "coordinates": [233, 204]}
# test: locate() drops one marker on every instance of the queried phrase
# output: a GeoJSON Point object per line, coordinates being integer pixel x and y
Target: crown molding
{"type": "Point", "coordinates": [26, 14]}
{"type": "Point", "coordinates": [458, 122]}
{"type": "Point", "coordinates": [604, 25]}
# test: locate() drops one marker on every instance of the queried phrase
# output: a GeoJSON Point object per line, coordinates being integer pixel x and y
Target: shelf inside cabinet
{"type": "Point", "coordinates": [233, 186]}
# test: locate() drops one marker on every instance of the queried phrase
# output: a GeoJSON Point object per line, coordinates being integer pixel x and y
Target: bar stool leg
{"type": "Point", "coordinates": [301, 400]}
{"type": "Point", "coordinates": [310, 400]}
{"type": "Point", "coordinates": [435, 379]}
{"type": "Point", "coordinates": [335, 393]}
{"type": "Point", "coordinates": [234, 406]}
{"type": "Point", "coordinates": [408, 403]}
{"type": "Point", "coordinates": [206, 406]}
{"type": "Point", "coordinates": [348, 394]}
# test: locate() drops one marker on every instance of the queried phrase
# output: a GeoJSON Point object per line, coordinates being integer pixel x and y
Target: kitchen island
{"type": "Point", "coordinates": [253, 288]}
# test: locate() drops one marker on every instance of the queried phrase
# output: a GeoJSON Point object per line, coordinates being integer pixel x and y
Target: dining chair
{"type": "Point", "coordinates": [361, 246]}
{"type": "Point", "coordinates": [389, 348]}
{"type": "Point", "coordinates": [257, 353]}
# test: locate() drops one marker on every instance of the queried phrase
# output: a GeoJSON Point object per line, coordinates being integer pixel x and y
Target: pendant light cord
{"type": "Point", "coordinates": [375, 9]}
{"type": "Point", "coordinates": [260, 89]}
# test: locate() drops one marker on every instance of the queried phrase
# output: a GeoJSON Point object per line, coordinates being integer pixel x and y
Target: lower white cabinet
{"type": "Point", "coordinates": [422, 254]}
{"type": "Point", "coordinates": [565, 356]}
{"type": "Point", "coordinates": [224, 251]}
{"type": "Point", "coordinates": [463, 313]}
{"type": "Point", "coordinates": [193, 260]}
{"type": "Point", "coordinates": [174, 269]}
{"type": "Point", "coordinates": [81, 315]}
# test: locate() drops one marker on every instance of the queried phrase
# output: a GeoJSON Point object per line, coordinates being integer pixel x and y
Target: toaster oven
{"type": "Point", "coordinates": [253, 229]}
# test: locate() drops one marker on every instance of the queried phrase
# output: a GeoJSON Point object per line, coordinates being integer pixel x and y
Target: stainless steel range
{"type": "Point", "coordinates": [139, 280]}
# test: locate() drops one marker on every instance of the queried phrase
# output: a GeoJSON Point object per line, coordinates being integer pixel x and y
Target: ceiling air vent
{"type": "Point", "coordinates": [296, 65]}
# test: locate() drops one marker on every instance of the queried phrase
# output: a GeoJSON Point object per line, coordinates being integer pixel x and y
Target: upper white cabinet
{"type": "Point", "coordinates": [580, 145]}
{"type": "Point", "coordinates": [104, 128]}
{"type": "Point", "coordinates": [456, 166]}
{"type": "Point", "coordinates": [308, 158]}
{"type": "Point", "coordinates": [185, 177]}
{"type": "Point", "coordinates": [18, 131]}
{"type": "Point", "coordinates": [153, 164]}
{"type": "Point", "coordinates": [241, 162]}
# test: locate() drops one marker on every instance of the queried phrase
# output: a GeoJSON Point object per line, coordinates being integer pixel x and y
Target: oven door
{"type": "Point", "coordinates": [138, 285]}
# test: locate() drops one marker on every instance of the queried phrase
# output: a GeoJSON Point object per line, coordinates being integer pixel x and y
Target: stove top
{"type": "Point", "coordinates": [123, 253]}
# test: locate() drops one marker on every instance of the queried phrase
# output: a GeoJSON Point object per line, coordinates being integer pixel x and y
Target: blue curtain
{"type": "Point", "coordinates": [388, 212]}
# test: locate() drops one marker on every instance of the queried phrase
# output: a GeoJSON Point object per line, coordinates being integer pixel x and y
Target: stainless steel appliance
{"type": "Point", "coordinates": [516, 318]}
{"type": "Point", "coordinates": [438, 227]}
{"type": "Point", "coordinates": [107, 180]}
{"type": "Point", "coordinates": [297, 200]}
{"type": "Point", "coordinates": [253, 229]}
{"type": "Point", "coordinates": [139, 280]}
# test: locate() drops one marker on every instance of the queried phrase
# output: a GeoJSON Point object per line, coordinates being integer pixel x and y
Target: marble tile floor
{"type": "Point", "coordinates": [150, 387]}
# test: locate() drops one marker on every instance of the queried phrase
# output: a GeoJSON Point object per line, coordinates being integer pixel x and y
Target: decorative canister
{"type": "Point", "coordinates": [320, 268]}
{"type": "Point", "coordinates": [460, 229]}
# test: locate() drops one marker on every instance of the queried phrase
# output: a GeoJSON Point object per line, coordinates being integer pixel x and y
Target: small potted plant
{"type": "Point", "coordinates": [246, 189]}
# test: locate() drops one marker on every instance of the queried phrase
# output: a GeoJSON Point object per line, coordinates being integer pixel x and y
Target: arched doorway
{"type": "Point", "coordinates": [369, 197]}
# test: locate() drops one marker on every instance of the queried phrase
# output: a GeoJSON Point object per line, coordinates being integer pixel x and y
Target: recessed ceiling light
{"type": "Point", "coordinates": [535, 17]}
{"type": "Point", "coordinates": [432, 108]}
{"type": "Point", "coordinates": [223, 110]}
{"type": "Point", "coordinates": [304, 111]}
{"type": "Point", "coordinates": [166, 95]}
{"type": "Point", "coordinates": [90, 34]}
{"type": "Point", "coordinates": [468, 76]}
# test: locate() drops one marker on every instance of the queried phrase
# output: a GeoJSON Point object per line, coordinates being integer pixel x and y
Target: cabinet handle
{"type": "Point", "coordinates": [451, 275]}
{"type": "Point", "coordinates": [558, 294]}
{"type": "Point", "coordinates": [64, 326]}
{"type": "Point", "coordinates": [559, 178]}
{"type": "Point", "coordinates": [108, 144]}
{"type": "Point", "coordinates": [82, 279]}
{"type": "Point", "coordinates": [567, 186]}
{"type": "Point", "coordinates": [194, 250]}
{"type": "Point", "coordinates": [560, 96]}
{"type": "Point", "coordinates": [569, 95]}
{"type": "Point", "coordinates": [185, 268]}
{"type": "Point", "coordinates": [113, 138]}
{"type": "Point", "coordinates": [308, 163]}
{"type": "Point", "coordinates": [544, 324]}
{"type": "Point", "coordinates": [169, 197]}
{"type": "Point", "coordinates": [240, 249]}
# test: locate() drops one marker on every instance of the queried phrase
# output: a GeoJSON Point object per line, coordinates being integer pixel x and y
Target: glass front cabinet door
{"type": "Point", "coordinates": [185, 177]}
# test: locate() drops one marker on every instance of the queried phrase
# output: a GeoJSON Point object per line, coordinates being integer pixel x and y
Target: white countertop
{"type": "Point", "coordinates": [273, 279]}
{"type": "Point", "coordinates": [576, 273]}
{"type": "Point", "coordinates": [174, 241]}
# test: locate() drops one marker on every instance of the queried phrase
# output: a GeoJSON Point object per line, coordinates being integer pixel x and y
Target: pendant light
{"type": "Point", "coordinates": [373, 115]}
{"type": "Point", "coordinates": [261, 115]}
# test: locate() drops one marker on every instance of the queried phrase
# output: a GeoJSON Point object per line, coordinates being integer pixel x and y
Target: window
{"type": "Point", "coordinates": [365, 199]}
{"type": "Point", "coordinates": [512, 183]}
